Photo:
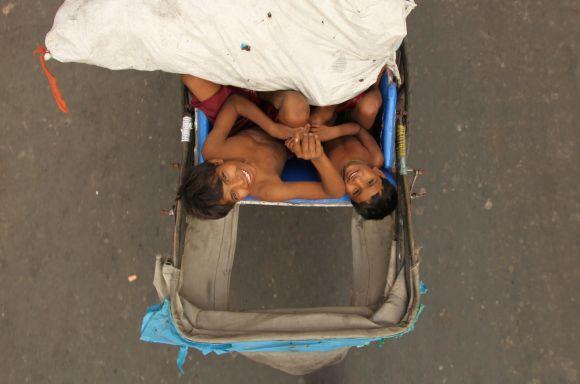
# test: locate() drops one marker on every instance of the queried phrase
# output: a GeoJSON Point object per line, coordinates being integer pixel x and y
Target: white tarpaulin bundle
{"type": "Point", "coordinates": [330, 50]}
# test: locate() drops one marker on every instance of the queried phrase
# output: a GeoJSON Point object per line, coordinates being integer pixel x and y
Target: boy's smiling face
{"type": "Point", "coordinates": [362, 182]}
{"type": "Point", "coordinates": [237, 178]}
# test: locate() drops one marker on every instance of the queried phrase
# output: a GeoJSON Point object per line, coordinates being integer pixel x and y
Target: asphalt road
{"type": "Point", "coordinates": [494, 120]}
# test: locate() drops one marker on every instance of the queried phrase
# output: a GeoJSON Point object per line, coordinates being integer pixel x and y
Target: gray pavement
{"type": "Point", "coordinates": [494, 120]}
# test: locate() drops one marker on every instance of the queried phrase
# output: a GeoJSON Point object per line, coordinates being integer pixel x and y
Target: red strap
{"type": "Point", "coordinates": [41, 51]}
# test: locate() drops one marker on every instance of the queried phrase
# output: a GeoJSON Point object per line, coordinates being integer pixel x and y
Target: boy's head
{"type": "Point", "coordinates": [371, 194]}
{"type": "Point", "coordinates": [210, 190]}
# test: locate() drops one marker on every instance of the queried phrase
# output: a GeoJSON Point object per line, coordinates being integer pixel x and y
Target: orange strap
{"type": "Point", "coordinates": [41, 51]}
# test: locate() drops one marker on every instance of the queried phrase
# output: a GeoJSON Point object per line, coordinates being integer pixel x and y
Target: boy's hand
{"type": "Point", "coordinates": [305, 146]}
{"type": "Point", "coordinates": [283, 132]}
{"type": "Point", "coordinates": [324, 132]}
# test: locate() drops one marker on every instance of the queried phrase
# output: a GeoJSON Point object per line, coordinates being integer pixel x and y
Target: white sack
{"type": "Point", "coordinates": [330, 50]}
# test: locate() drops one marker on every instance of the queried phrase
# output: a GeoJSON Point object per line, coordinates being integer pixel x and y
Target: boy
{"type": "Point", "coordinates": [357, 157]}
{"type": "Point", "coordinates": [250, 162]}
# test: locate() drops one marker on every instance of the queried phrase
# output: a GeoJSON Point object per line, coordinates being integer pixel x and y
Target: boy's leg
{"type": "Point", "coordinates": [200, 88]}
{"type": "Point", "coordinates": [293, 109]}
{"type": "Point", "coordinates": [367, 108]}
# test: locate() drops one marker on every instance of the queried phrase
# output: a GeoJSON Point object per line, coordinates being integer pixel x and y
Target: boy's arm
{"type": "Point", "coordinates": [216, 142]}
{"type": "Point", "coordinates": [309, 190]}
{"type": "Point", "coordinates": [377, 158]}
{"type": "Point", "coordinates": [330, 180]}
{"type": "Point", "coordinates": [309, 147]}
{"type": "Point", "coordinates": [250, 111]}
{"type": "Point", "coordinates": [327, 133]}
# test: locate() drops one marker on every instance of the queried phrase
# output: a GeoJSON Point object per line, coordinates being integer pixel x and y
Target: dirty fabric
{"type": "Point", "coordinates": [194, 312]}
{"type": "Point", "coordinates": [329, 50]}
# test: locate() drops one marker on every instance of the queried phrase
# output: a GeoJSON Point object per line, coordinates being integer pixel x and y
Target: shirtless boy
{"type": "Point", "coordinates": [250, 161]}
{"type": "Point", "coordinates": [358, 159]}
{"type": "Point", "coordinates": [355, 153]}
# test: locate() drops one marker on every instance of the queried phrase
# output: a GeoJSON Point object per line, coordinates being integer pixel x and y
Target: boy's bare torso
{"type": "Point", "coordinates": [262, 151]}
{"type": "Point", "coordinates": [344, 149]}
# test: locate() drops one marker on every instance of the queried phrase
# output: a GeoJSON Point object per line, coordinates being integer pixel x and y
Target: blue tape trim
{"type": "Point", "coordinates": [181, 356]}
{"type": "Point", "coordinates": [158, 327]}
{"type": "Point", "coordinates": [423, 288]}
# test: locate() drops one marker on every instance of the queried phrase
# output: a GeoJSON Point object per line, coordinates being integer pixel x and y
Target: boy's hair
{"type": "Point", "coordinates": [200, 192]}
{"type": "Point", "coordinates": [380, 205]}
